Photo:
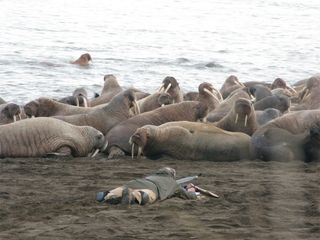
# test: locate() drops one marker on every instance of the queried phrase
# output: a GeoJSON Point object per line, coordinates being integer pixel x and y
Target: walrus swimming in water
{"type": "Point", "coordinates": [83, 60]}
{"type": "Point", "coordinates": [190, 140]}
{"type": "Point", "coordinates": [110, 89]}
{"type": "Point", "coordinates": [285, 138]}
{"type": "Point", "coordinates": [108, 116]}
{"type": "Point", "coordinates": [118, 136]}
{"type": "Point", "coordinates": [38, 137]}
{"type": "Point", "coordinates": [241, 118]}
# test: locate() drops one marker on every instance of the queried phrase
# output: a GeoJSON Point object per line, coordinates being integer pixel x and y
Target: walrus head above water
{"type": "Point", "coordinates": [84, 59]}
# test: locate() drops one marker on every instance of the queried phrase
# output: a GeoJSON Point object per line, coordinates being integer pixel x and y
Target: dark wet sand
{"type": "Point", "coordinates": [55, 199]}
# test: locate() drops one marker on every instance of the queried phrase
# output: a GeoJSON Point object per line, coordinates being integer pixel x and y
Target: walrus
{"type": "Point", "coordinates": [209, 95]}
{"type": "Point", "coordinates": [260, 91]}
{"type": "Point", "coordinates": [79, 98]}
{"type": "Point", "coordinates": [190, 140]}
{"type": "Point", "coordinates": [9, 112]}
{"type": "Point", "coordinates": [39, 137]}
{"type": "Point", "coordinates": [83, 60]}
{"type": "Point", "coordinates": [154, 101]}
{"type": "Point", "coordinates": [285, 138]}
{"type": "Point", "coordinates": [241, 118]}
{"type": "Point", "coordinates": [230, 84]}
{"type": "Point", "coordinates": [280, 83]}
{"type": "Point", "coordinates": [118, 136]}
{"type": "Point", "coordinates": [110, 115]}
{"type": "Point", "coordinates": [170, 85]}
{"type": "Point", "coordinates": [45, 107]}
{"type": "Point", "coordinates": [191, 96]}
{"type": "Point", "coordinates": [267, 115]}
{"type": "Point", "coordinates": [279, 101]}
{"type": "Point", "coordinates": [225, 106]}
{"type": "Point", "coordinates": [310, 95]}
{"type": "Point", "coordinates": [110, 89]}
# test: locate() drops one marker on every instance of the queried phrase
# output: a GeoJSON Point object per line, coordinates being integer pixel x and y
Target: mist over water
{"type": "Point", "coordinates": [143, 41]}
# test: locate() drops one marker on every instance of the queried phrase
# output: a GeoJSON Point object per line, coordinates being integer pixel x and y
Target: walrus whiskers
{"type": "Point", "coordinates": [168, 87]}
{"type": "Point", "coordinates": [245, 120]}
{"type": "Point", "coordinates": [211, 94]}
{"type": "Point", "coordinates": [236, 121]}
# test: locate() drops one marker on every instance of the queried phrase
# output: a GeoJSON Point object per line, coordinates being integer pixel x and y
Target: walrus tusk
{"type": "Point", "coordinates": [85, 102]}
{"type": "Point", "coordinates": [132, 150]}
{"type": "Point", "coordinates": [305, 94]}
{"type": "Point", "coordinates": [292, 90]}
{"type": "Point", "coordinates": [136, 107]}
{"type": "Point", "coordinates": [162, 104]}
{"type": "Point", "coordinates": [14, 118]}
{"type": "Point", "coordinates": [33, 116]}
{"type": "Point", "coordinates": [245, 120]}
{"type": "Point", "coordinates": [77, 102]}
{"type": "Point", "coordinates": [161, 89]}
{"type": "Point", "coordinates": [218, 92]}
{"type": "Point", "coordinates": [211, 94]}
{"type": "Point", "coordinates": [236, 121]}
{"type": "Point", "coordinates": [95, 153]}
{"type": "Point", "coordinates": [168, 87]}
{"type": "Point", "coordinates": [104, 147]}
{"type": "Point", "coordinates": [204, 119]}
{"type": "Point", "coordinates": [139, 152]}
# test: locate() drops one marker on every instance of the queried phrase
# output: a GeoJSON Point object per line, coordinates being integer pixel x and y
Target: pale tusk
{"type": "Point", "coordinates": [105, 146]}
{"type": "Point", "coordinates": [204, 119]}
{"type": "Point", "coordinates": [211, 94]}
{"type": "Point", "coordinates": [85, 102]}
{"type": "Point", "coordinates": [132, 150]}
{"type": "Point", "coordinates": [77, 102]}
{"type": "Point", "coordinates": [241, 84]}
{"type": "Point", "coordinates": [139, 152]}
{"type": "Point", "coordinates": [236, 121]}
{"type": "Point", "coordinates": [292, 90]}
{"type": "Point", "coordinates": [168, 87]}
{"type": "Point", "coordinates": [306, 93]}
{"type": "Point", "coordinates": [14, 118]}
{"type": "Point", "coordinates": [162, 104]}
{"type": "Point", "coordinates": [161, 89]}
{"type": "Point", "coordinates": [32, 116]}
{"type": "Point", "coordinates": [218, 92]}
{"type": "Point", "coordinates": [19, 116]}
{"type": "Point", "coordinates": [95, 153]}
{"type": "Point", "coordinates": [245, 120]}
{"type": "Point", "coordinates": [136, 107]}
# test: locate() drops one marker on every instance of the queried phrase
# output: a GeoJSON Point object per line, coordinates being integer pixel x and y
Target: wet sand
{"type": "Point", "coordinates": [55, 199]}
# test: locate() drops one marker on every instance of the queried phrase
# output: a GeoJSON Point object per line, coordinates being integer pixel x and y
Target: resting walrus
{"type": "Point", "coordinates": [241, 118]}
{"type": "Point", "coordinates": [118, 137]}
{"type": "Point", "coordinates": [230, 84]}
{"type": "Point", "coordinates": [110, 115]}
{"type": "Point", "coordinates": [154, 101]}
{"type": "Point", "coordinates": [190, 140]}
{"type": "Point", "coordinates": [285, 138]}
{"type": "Point", "coordinates": [170, 85]}
{"type": "Point", "coordinates": [38, 137]}
{"type": "Point", "coordinates": [9, 112]}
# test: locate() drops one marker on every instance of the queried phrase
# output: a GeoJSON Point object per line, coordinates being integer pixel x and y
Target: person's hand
{"type": "Point", "coordinates": [191, 188]}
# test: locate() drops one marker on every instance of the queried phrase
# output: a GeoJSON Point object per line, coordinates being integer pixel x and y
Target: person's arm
{"type": "Point", "coordinates": [184, 194]}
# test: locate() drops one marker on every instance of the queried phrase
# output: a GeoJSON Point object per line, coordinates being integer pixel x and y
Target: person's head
{"type": "Point", "coordinates": [167, 171]}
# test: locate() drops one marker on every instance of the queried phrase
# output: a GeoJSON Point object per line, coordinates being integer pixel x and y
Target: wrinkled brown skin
{"type": "Point", "coordinates": [191, 96]}
{"type": "Point", "coordinates": [225, 106]}
{"type": "Point", "coordinates": [38, 137]}
{"type": "Point", "coordinates": [311, 100]}
{"type": "Point", "coordinates": [190, 140]}
{"type": "Point", "coordinates": [105, 118]}
{"type": "Point", "coordinates": [283, 138]}
{"type": "Point", "coordinates": [174, 91]}
{"type": "Point", "coordinates": [154, 101]}
{"type": "Point", "coordinates": [250, 84]}
{"type": "Point", "coordinates": [206, 98]}
{"type": "Point", "coordinates": [280, 102]}
{"type": "Point", "coordinates": [83, 60]}
{"type": "Point", "coordinates": [242, 107]}
{"type": "Point", "coordinates": [230, 84]}
{"type": "Point", "coordinates": [45, 107]}
{"type": "Point", "coordinates": [8, 111]}
{"type": "Point", "coordinates": [118, 137]}
{"type": "Point", "coordinates": [110, 89]}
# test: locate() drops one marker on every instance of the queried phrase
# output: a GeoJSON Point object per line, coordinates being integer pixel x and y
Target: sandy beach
{"type": "Point", "coordinates": [55, 199]}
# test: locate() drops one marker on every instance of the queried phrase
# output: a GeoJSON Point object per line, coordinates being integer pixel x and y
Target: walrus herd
{"type": "Point", "coordinates": [249, 120]}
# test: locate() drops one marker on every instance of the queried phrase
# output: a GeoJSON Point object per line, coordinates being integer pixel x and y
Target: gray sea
{"type": "Point", "coordinates": [141, 42]}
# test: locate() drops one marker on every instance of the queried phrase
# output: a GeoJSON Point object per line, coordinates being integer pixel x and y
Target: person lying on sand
{"type": "Point", "coordinates": [157, 186]}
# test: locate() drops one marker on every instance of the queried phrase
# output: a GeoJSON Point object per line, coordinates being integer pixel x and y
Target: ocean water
{"type": "Point", "coordinates": [141, 42]}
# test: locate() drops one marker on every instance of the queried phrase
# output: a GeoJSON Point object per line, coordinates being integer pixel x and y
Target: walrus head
{"type": "Point", "coordinates": [202, 111]}
{"type": "Point", "coordinates": [11, 111]}
{"type": "Point", "coordinates": [233, 80]}
{"type": "Point", "coordinates": [99, 142]}
{"type": "Point", "coordinates": [278, 83]}
{"type": "Point", "coordinates": [140, 138]}
{"type": "Point", "coordinates": [84, 59]}
{"type": "Point", "coordinates": [31, 109]}
{"type": "Point", "coordinates": [39, 107]}
{"type": "Point", "coordinates": [206, 89]}
{"type": "Point", "coordinates": [243, 108]}
{"type": "Point", "coordinates": [169, 83]}
{"type": "Point", "coordinates": [130, 100]}
{"type": "Point", "coordinates": [311, 83]}
{"type": "Point", "coordinates": [165, 99]}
